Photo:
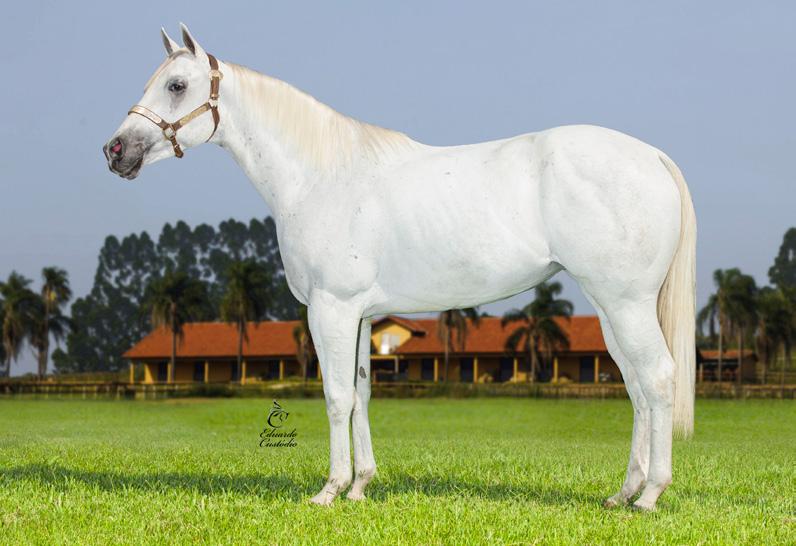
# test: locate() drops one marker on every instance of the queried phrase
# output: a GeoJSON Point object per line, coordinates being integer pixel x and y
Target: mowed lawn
{"type": "Point", "coordinates": [450, 471]}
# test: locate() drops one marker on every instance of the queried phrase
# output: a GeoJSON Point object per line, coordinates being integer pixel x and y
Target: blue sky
{"type": "Point", "coordinates": [710, 83]}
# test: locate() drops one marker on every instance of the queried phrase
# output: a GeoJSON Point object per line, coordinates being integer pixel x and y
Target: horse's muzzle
{"type": "Point", "coordinates": [123, 159]}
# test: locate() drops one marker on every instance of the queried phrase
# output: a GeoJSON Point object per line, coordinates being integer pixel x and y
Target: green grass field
{"type": "Point", "coordinates": [450, 471]}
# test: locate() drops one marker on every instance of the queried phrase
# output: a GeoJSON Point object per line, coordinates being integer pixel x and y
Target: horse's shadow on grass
{"type": "Point", "coordinates": [281, 486]}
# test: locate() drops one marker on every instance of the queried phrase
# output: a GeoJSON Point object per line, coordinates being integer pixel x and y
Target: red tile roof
{"type": "Point", "coordinates": [275, 339]}
{"type": "Point", "coordinates": [411, 325]}
{"type": "Point", "coordinates": [728, 354]}
{"type": "Point", "coordinates": [216, 340]}
{"type": "Point", "coordinates": [490, 337]}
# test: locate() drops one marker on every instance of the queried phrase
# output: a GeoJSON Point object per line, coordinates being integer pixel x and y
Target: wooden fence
{"type": "Point", "coordinates": [313, 389]}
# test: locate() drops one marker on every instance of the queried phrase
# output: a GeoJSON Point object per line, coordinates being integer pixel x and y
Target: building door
{"type": "Point", "coordinates": [506, 369]}
{"type": "Point", "coordinates": [198, 372]}
{"type": "Point", "coordinates": [312, 368]}
{"type": "Point", "coordinates": [272, 369]}
{"type": "Point", "coordinates": [427, 369]}
{"type": "Point", "coordinates": [466, 369]}
{"type": "Point", "coordinates": [163, 372]}
{"type": "Point", "coordinates": [586, 369]}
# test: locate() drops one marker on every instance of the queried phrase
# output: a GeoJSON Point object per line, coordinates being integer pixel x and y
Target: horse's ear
{"type": "Point", "coordinates": [170, 45]}
{"type": "Point", "coordinates": [189, 42]}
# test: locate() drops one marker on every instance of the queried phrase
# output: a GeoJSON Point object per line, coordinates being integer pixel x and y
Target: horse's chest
{"type": "Point", "coordinates": [321, 249]}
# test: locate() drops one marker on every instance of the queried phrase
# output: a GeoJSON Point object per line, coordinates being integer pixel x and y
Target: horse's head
{"type": "Point", "coordinates": [178, 90]}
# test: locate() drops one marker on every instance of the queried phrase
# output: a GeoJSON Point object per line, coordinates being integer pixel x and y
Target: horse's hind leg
{"type": "Point", "coordinates": [364, 462]}
{"type": "Point", "coordinates": [639, 337]}
{"type": "Point", "coordinates": [638, 465]}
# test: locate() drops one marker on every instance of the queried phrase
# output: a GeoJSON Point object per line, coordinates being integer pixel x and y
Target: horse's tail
{"type": "Point", "coordinates": [676, 308]}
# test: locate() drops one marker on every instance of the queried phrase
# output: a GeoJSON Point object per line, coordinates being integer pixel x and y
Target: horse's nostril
{"type": "Point", "coordinates": [116, 148]}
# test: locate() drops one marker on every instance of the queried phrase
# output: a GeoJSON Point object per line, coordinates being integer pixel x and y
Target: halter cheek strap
{"type": "Point", "coordinates": [170, 129]}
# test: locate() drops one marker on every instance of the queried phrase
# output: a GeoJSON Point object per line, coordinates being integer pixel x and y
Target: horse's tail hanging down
{"type": "Point", "coordinates": [676, 308]}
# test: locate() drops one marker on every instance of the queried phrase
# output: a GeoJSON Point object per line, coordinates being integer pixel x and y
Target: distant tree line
{"type": "Point", "coordinates": [740, 314]}
{"type": "Point", "coordinates": [132, 273]}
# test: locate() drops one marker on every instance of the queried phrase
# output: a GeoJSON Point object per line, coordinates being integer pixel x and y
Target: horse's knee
{"type": "Point", "coordinates": [339, 408]}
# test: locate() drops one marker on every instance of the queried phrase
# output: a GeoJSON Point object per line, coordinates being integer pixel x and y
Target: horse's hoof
{"type": "Point", "coordinates": [324, 498]}
{"type": "Point", "coordinates": [355, 495]}
{"type": "Point", "coordinates": [640, 506]}
{"type": "Point", "coordinates": [614, 502]}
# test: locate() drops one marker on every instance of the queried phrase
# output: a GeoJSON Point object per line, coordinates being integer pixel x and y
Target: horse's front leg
{"type": "Point", "coordinates": [364, 462]}
{"type": "Point", "coordinates": [334, 324]}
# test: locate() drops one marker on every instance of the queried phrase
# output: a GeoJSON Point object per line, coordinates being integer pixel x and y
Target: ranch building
{"type": "Point", "coordinates": [402, 349]}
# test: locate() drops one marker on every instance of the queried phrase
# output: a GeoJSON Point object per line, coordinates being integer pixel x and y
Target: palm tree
{"type": "Point", "coordinates": [3, 355]}
{"type": "Point", "coordinates": [729, 308]}
{"type": "Point", "coordinates": [45, 325]}
{"type": "Point", "coordinates": [18, 316]}
{"type": "Point", "coordinates": [454, 322]}
{"type": "Point", "coordinates": [55, 292]}
{"type": "Point", "coordinates": [539, 330]}
{"type": "Point", "coordinates": [777, 325]}
{"type": "Point", "coordinates": [303, 339]}
{"type": "Point", "coordinates": [742, 312]}
{"type": "Point", "coordinates": [172, 301]}
{"type": "Point", "coordinates": [245, 299]}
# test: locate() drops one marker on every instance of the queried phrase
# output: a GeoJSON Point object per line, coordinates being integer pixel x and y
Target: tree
{"type": "Point", "coordinates": [18, 316]}
{"type": "Point", "coordinates": [108, 320]}
{"type": "Point", "coordinates": [538, 330]}
{"type": "Point", "coordinates": [305, 349]}
{"type": "Point", "coordinates": [783, 272]}
{"type": "Point", "coordinates": [3, 355]}
{"type": "Point", "coordinates": [731, 308]}
{"type": "Point", "coordinates": [246, 298]}
{"type": "Point", "coordinates": [49, 319]}
{"type": "Point", "coordinates": [777, 326]}
{"type": "Point", "coordinates": [453, 322]}
{"type": "Point", "coordinates": [171, 302]}
{"type": "Point", "coordinates": [742, 312]}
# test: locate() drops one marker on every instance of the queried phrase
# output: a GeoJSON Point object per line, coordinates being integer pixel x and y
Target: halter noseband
{"type": "Point", "coordinates": [170, 129]}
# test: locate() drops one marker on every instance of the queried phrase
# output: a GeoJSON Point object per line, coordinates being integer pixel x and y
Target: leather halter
{"type": "Point", "coordinates": [170, 129]}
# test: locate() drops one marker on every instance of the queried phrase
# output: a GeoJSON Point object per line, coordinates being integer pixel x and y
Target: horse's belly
{"type": "Point", "coordinates": [463, 254]}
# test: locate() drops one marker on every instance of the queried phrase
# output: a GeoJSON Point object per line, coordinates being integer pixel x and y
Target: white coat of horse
{"type": "Point", "coordinates": [370, 221]}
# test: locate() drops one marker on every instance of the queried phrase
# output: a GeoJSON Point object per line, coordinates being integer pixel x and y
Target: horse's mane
{"type": "Point", "coordinates": [321, 135]}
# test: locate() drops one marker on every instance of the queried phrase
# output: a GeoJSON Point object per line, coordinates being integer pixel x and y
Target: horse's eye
{"type": "Point", "coordinates": [176, 87]}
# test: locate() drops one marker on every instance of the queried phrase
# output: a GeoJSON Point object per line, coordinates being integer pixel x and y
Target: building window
{"type": "Point", "coordinates": [427, 369]}
{"type": "Point", "coordinates": [198, 372]}
{"type": "Point", "coordinates": [389, 342]}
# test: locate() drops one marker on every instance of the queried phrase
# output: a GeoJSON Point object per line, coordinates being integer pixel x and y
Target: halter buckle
{"type": "Point", "coordinates": [169, 132]}
{"type": "Point", "coordinates": [216, 73]}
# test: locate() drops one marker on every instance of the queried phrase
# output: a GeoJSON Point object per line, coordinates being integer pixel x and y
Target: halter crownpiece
{"type": "Point", "coordinates": [170, 129]}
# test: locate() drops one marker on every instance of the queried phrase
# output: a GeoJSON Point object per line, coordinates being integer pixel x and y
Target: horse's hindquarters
{"type": "Point", "coordinates": [611, 210]}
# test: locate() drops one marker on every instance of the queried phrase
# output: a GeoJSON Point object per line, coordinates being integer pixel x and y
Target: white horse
{"type": "Point", "coordinates": [370, 222]}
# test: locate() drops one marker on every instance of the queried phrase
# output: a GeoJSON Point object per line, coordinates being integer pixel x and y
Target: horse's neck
{"type": "Point", "coordinates": [286, 141]}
